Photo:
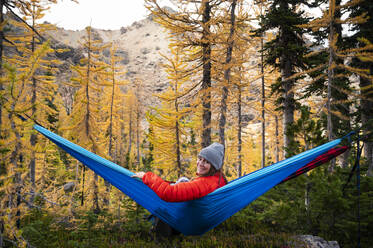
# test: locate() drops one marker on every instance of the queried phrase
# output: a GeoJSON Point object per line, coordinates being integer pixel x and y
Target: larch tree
{"type": "Point", "coordinates": [113, 95]}
{"type": "Point", "coordinates": [111, 112]}
{"type": "Point", "coordinates": [241, 77]}
{"type": "Point", "coordinates": [169, 121]}
{"type": "Point", "coordinates": [42, 87]}
{"type": "Point", "coordinates": [29, 91]}
{"type": "Point", "coordinates": [238, 92]}
{"type": "Point", "coordinates": [193, 23]}
{"type": "Point", "coordinates": [13, 8]}
{"type": "Point", "coordinates": [335, 71]}
{"type": "Point", "coordinates": [229, 45]}
{"type": "Point", "coordinates": [12, 182]}
{"type": "Point", "coordinates": [139, 115]}
{"type": "Point", "coordinates": [129, 117]}
{"type": "Point", "coordinates": [1, 70]}
{"type": "Point", "coordinates": [133, 114]}
{"type": "Point", "coordinates": [84, 128]}
{"type": "Point", "coordinates": [227, 70]}
{"type": "Point", "coordinates": [26, 88]}
{"type": "Point", "coordinates": [14, 143]}
{"type": "Point", "coordinates": [259, 11]}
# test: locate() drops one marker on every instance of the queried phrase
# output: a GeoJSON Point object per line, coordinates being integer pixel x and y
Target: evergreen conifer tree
{"type": "Point", "coordinates": [285, 52]}
{"type": "Point", "coordinates": [362, 40]}
{"type": "Point", "coordinates": [338, 90]}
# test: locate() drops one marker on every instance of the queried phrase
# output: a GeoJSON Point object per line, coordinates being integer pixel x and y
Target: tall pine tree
{"type": "Point", "coordinates": [362, 40]}
{"type": "Point", "coordinates": [286, 53]}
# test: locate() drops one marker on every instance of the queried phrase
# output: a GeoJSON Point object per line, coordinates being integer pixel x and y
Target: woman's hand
{"type": "Point", "coordinates": [139, 174]}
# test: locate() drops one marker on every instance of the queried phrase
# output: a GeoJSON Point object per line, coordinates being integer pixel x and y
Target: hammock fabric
{"type": "Point", "coordinates": [322, 159]}
{"type": "Point", "coordinates": [198, 216]}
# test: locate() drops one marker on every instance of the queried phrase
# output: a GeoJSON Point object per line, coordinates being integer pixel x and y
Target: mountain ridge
{"type": "Point", "coordinates": [139, 46]}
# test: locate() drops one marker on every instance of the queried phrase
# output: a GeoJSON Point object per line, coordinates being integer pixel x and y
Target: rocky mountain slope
{"type": "Point", "coordinates": [139, 46]}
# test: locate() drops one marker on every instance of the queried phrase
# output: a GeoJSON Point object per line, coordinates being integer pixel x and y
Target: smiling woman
{"type": "Point", "coordinates": [203, 166]}
{"type": "Point", "coordinates": [210, 177]}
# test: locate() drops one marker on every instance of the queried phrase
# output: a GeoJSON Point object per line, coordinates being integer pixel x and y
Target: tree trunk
{"type": "Point", "coordinates": [1, 234]}
{"type": "Point", "coordinates": [95, 206]}
{"type": "Point", "coordinates": [288, 104]}
{"type": "Point", "coordinates": [1, 89]}
{"type": "Point", "coordinates": [263, 101]}
{"type": "Point", "coordinates": [330, 82]}
{"type": "Point", "coordinates": [129, 137]}
{"type": "Point", "coordinates": [369, 155]}
{"type": "Point", "coordinates": [16, 160]}
{"type": "Point", "coordinates": [33, 113]}
{"type": "Point", "coordinates": [137, 145]}
{"type": "Point", "coordinates": [178, 153]}
{"type": "Point", "coordinates": [83, 182]}
{"type": "Point", "coordinates": [111, 119]}
{"type": "Point", "coordinates": [367, 120]}
{"type": "Point", "coordinates": [138, 136]}
{"type": "Point", "coordinates": [206, 74]}
{"type": "Point", "coordinates": [1, 66]}
{"type": "Point", "coordinates": [107, 184]}
{"type": "Point", "coordinates": [138, 124]}
{"type": "Point", "coordinates": [340, 126]}
{"type": "Point", "coordinates": [177, 136]}
{"type": "Point", "coordinates": [122, 149]}
{"type": "Point", "coordinates": [277, 152]}
{"type": "Point", "coordinates": [239, 132]}
{"type": "Point", "coordinates": [307, 200]}
{"type": "Point", "coordinates": [331, 64]}
{"type": "Point", "coordinates": [226, 83]}
{"type": "Point", "coordinates": [287, 85]}
{"type": "Point", "coordinates": [87, 129]}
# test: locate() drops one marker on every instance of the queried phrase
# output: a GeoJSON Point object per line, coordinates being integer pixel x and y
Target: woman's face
{"type": "Point", "coordinates": [203, 166]}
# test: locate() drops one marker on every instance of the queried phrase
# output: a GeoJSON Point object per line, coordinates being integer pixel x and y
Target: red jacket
{"type": "Point", "coordinates": [184, 191]}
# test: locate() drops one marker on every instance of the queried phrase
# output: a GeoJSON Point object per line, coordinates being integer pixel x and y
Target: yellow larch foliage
{"type": "Point", "coordinates": [112, 104]}
{"type": "Point", "coordinates": [14, 143]}
{"type": "Point", "coordinates": [336, 55]}
{"type": "Point", "coordinates": [169, 122]}
{"type": "Point", "coordinates": [28, 88]}
{"type": "Point", "coordinates": [132, 128]}
{"type": "Point", "coordinates": [193, 27]}
{"type": "Point", "coordinates": [85, 119]}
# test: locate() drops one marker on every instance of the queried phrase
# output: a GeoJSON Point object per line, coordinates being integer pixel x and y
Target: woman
{"type": "Point", "coordinates": [210, 177]}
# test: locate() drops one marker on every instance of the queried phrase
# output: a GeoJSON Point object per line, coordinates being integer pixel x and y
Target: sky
{"type": "Point", "coordinates": [102, 14]}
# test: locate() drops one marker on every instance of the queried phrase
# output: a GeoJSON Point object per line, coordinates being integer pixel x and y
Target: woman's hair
{"type": "Point", "coordinates": [212, 172]}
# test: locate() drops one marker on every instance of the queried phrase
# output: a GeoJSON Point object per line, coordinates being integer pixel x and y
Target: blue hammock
{"type": "Point", "coordinates": [198, 216]}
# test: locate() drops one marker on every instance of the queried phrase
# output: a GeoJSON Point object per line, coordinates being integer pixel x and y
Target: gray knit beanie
{"type": "Point", "coordinates": [213, 153]}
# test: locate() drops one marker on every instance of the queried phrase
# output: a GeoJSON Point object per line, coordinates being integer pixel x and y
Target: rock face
{"type": "Point", "coordinates": [139, 47]}
{"type": "Point", "coordinates": [309, 241]}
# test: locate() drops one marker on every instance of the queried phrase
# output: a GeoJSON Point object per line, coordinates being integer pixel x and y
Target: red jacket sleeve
{"type": "Point", "coordinates": [184, 191]}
